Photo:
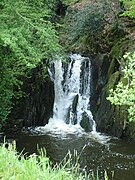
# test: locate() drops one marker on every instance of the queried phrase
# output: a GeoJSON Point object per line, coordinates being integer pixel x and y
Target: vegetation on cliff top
{"type": "Point", "coordinates": [84, 20]}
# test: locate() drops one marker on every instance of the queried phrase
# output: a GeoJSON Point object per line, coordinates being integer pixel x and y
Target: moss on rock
{"type": "Point", "coordinates": [113, 80]}
{"type": "Point", "coordinates": [130, 130]}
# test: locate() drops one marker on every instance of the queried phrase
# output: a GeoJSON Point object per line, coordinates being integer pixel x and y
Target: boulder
{"type": "Point", "coordinates": [86, 123]}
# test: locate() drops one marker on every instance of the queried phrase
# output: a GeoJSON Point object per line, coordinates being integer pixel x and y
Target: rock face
{"type": "Point", "coordinates": [36, 107]}
{"type": "Point", "coordinates": [39, 104]}
{"type": "Point", "coordinates": [106, 73]}
{"type": "Point", "coordinates": [109, 119]}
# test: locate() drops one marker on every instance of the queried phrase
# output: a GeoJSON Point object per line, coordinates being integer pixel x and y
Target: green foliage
{"type": "Point", "coordinates": [124, 94]}
{"type": "Point", "coordinates": [27, 36]}
{"type": "Point", "coordinates": [9, 71]}
{"type": "Point", "coordinates": [27, 31]}
{"type": "Point", "coordinates": [87, 20]}
{"type": "Point", "coordinates": [14, 166]}
{"type": "Point", "coordinates": [130, 8]}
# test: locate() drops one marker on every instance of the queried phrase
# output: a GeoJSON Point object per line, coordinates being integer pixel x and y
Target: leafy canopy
{"type": "Point", "coordinates": [27, 32]}
{"type": "Point", "coordinates": [27, 37]}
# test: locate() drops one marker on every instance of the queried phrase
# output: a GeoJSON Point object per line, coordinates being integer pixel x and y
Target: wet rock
{"type": "Point", "coordinates": [109, 119]}
{"type": "Point", "coordinates": [74, 104]}
{"type": "Point", "coordinates": [36, 107]}
{"type": "Point", "coordinates": [86, 123]}
{"type": "Point", "coordinates": [74, 120]}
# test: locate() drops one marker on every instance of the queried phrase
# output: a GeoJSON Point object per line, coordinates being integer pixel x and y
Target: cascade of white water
{"type": "Point", "coordinates": [72, 84]}
{"type": "Point", "coordinates": [59, 94]}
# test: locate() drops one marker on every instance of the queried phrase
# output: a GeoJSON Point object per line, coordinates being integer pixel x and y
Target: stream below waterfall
{"type": "Point", "coordinates": [72, 127]}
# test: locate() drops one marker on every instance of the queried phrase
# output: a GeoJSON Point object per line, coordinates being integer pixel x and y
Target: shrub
{"type": "Point", "coordinates": [130, 8]}
{"type": "Point", "coordinates": [124, 94]}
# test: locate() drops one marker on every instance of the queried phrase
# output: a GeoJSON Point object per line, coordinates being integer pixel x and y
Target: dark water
{"type": "Point", "coordinates": [96, 153]}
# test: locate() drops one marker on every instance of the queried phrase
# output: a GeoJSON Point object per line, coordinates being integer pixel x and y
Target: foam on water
{"type": "Point", "coordinates": [64, 131]}
{"type": "Point", "coordinates": [60, 128]}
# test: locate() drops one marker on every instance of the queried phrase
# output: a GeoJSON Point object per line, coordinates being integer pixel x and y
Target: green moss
{"type": "Point", "coordinates": [112, 81]}
{"type": "Point", "coordinates": [120, 46]}
{"type": "Point", "coordinates": [111, 68]}
{"type": "Point", "coordinates": [121, 116]}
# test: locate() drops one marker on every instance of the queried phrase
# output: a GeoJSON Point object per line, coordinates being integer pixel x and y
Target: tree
{"type": "Point", "coordinates": [27, 37]}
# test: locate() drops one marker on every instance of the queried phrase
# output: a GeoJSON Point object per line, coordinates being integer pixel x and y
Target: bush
{"type": "Point", "coordinates": [130, 8]}
{"type": "Point", "coordinates": [124, 94]}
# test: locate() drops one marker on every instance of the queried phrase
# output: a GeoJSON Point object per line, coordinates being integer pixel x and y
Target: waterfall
{"type": "Point", "coordinates": [72, 95]}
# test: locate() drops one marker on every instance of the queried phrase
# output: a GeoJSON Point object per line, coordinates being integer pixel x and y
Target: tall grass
{"type": "Point", "coordinates": [15, 166]}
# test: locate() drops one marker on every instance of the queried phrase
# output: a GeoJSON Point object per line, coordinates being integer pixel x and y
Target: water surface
{"type": "Point", "coordinates": [96, 151]}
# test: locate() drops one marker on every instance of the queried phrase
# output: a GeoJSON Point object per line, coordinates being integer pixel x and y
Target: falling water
{"type": "Point", "coordinates": [72, 94]}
